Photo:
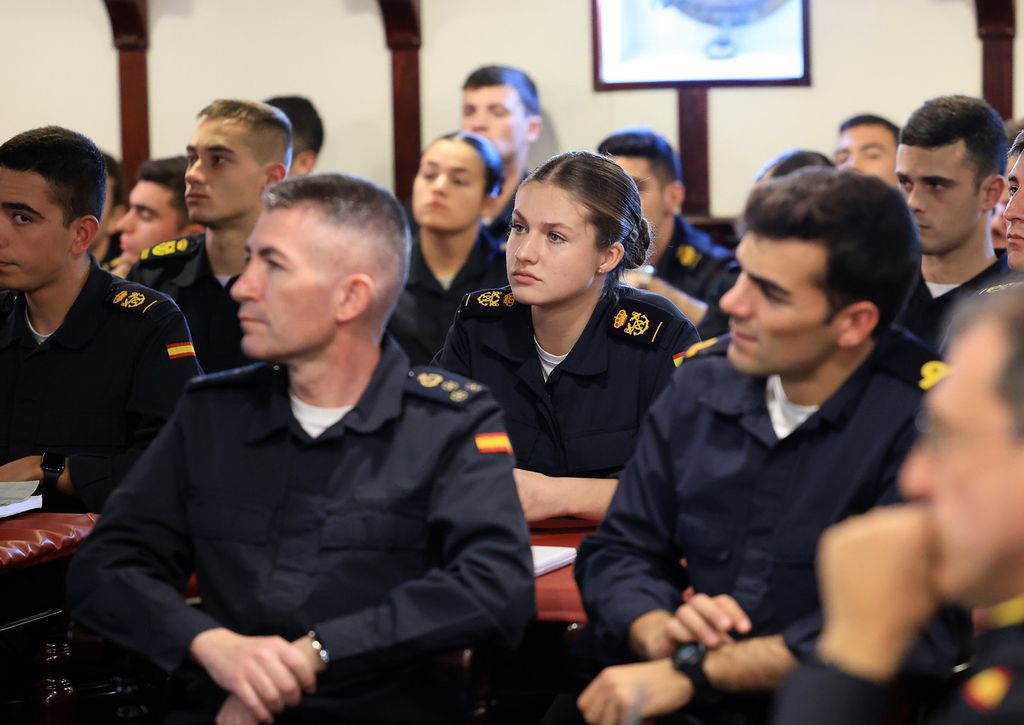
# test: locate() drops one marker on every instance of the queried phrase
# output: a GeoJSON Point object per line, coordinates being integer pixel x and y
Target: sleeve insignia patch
{"type": "Point", "coordinates": [986, 690]}
{"type": "Point", "coordinates": [180, 349]}
{"type": "Point", "coordinates": [493, 443]}
{"type": "Point", "coordinates": [687, 256]}
{"type": "Point", "coordinates": [932, 372]}
{"type": "Point", "coordinates": [677, 359]}
{"type": "Point", "coordinates": [995, 289]}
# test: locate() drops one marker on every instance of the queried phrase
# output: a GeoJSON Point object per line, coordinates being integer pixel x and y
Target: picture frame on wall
{"type": "Point", "coordinates": [673, 43]}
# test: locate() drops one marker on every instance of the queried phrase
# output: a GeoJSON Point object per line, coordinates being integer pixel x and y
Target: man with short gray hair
{"type": "Point", "coordinates": [347, 517]}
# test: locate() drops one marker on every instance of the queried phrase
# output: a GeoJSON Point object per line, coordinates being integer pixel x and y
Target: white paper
{"type": "Point", "coordinates": [549, 558]}
{"type": "Point", "coordinates": [15, 491]}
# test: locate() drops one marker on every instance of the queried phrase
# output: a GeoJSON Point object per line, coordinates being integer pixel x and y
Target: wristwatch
{"type": "Point", "coordinates": [688, 659]}
{"type": "Point", "coordinates": [53, 464]}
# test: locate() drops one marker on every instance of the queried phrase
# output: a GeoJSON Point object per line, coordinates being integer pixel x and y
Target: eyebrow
{"type": "Point", "coordinates": [871, 146]}
{"type": "Point", "coordinates": [767, 286]}
{"type": "Point", "coordinates": [216, 148]}
{"type": "Point", "coordinates": [435, 164]}
{"type": "Point", "coordinates": [21, 207]}
{"type": "Point", "coordinates": [545, 225]}
{"type": "Point", "coordinates": [142, 207]}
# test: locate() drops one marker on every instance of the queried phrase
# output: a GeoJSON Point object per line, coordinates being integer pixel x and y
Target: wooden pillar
{"type": "Point", "coordinates": [693, 149]}
{"type": "Point", "coordinates": [129, 20]}
{"type": "Point", "coordinates": [997, 26]}
{"type": "Point", "coordinates": [402, 30]}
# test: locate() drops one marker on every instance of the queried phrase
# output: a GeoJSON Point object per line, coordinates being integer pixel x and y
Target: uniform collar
{"type": "Point", "coordinates": [81, 322]}
{"type": "Point", "coordinates": [744, 395]}
{"type": "Point", "coordinates": [379, 403]}
{"type": "Point", "coordinates": [513, 339]}
{"type": "Point", "coordinates": [483, 253]}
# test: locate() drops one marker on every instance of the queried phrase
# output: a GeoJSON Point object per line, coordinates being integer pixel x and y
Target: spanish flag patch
{"type": "Point", "coordinates": [493, 443]}
{"type": "Point", "coordinates": [180, 349]}
{"type": "Point", "coordinates": [677, 359]}
{"type": "Point", "coordinates": [986, 690]}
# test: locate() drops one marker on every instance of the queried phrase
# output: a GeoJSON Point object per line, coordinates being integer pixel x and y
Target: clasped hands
{"type": "Point", "coordinates": [262, 675]}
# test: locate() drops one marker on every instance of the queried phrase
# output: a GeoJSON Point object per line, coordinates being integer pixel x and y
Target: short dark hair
{"type": "Point", "coordinates": [947, 119]}
{"type": "Point", "coordinates": [789, 161]}
{"type": "Point", "coordinates": [870, 119]}
{"type": "Point", "coordinates": [169, 173]}
{"type": "Point", "coordinates": [643, 142]}
{"type": "Point", "coordinates": [307, 127]}
{"type": "Point", "coordinates": [611, 199]}
{"type": "Point", "coordinates": [494, 170]}
{"type": "Point", "coordinates": [354, 203]}
{"type": "Point", "coordinates": [271, 131]}
{"type": "Point", "coordinates": [869, 235]}
{"type": "Point", "coordinates": [504, 75]}
{"type": "Point", "coordinates": [1005, 307]}
{"type": "Point", "coordinates": [1018, 145]}
{"type": "Point", "coordinates": [116, 178]}
{"type": "Point", "coordinates": [71, 164]}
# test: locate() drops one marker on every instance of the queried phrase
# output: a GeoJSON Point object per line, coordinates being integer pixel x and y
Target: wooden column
{"type": "Point", "coordinates": [129, 20]}
{"type": "Point", "coordinates": [693, 149]}
{"type": "Point", "coordinates": [997, 25]}
{"type": "Point", "coordinates": [402, 29]}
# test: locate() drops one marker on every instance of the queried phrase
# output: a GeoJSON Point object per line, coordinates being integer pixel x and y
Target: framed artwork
{"type": "Point", "coordinates": [672, 43]}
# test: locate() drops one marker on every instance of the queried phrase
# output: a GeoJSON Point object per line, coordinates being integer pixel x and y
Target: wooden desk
{"type": "Point", "coordinates": [558, 599]}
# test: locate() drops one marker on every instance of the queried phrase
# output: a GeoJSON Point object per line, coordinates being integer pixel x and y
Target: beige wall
{"type": "Point", "coordinates": [58, 66]}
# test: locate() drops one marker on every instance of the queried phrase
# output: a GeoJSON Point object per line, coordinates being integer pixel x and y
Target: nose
{"type": "Point", "coordinates": [524, 247]}
{"type": "Point", "coordinates": [193, 173]}
{"type": "Point", "coordinates": [126, 222]}
{"type": "Point", "coordinates": [1014, 209]}
{"type": "Point", "coordinates": [735, 301]}
{"type": "Point", "coordinates": [916, 480]}
{"type": "Point", "coordinates": [246, 286]}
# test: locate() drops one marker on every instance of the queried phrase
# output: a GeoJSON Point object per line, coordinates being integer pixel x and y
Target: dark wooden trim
{"type": "Point", "coordinates": [601, 85]}
{"type": "Point", "coordinates": [129, 21]}
{"type": "Point", "coordinates": [997, 26]}
{"type": "Point", "coordinates": [402, 30]}
{"type": "Point", "coordinates": [693, 149]}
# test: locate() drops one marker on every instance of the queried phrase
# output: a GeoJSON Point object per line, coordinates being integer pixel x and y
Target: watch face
{"type": "Point", "coordinates": [52, 463]}
{"type": "Point", "coordinates": [689, 653]}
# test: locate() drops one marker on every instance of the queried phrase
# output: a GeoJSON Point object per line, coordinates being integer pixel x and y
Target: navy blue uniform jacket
{"type": "Point", "coordinates": [395, 534]}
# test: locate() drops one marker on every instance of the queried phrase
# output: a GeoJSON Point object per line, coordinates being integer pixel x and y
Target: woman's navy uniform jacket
{"type": "Point", "coordinates": [583, 421]}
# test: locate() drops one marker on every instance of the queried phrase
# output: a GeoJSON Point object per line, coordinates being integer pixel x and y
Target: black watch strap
{"type": "Point", "coordinates": [688, 659]}
{"type": "Point", "coordinates": [52, 465]}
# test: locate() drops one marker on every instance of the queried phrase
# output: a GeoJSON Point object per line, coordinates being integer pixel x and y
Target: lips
{"type": "Point", "coordinates": [522, 276]}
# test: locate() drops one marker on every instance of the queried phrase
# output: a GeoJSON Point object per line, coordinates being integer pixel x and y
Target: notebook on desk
{"type": "Point", "coordinates": [16, 497]}
{"type": "Point", "coordinates": [549, 558]}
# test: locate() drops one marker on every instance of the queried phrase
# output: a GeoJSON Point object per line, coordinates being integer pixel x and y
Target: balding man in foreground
{"type": "Point", "coordinates": [347, 517]}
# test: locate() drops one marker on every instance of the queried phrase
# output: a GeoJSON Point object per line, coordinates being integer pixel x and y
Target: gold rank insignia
{"type": "Point", "coordinates": [430, 380]}
{"type": "Point", "coordinates": [986, 690]}
{"type": "Point", "coordinates": [620, 319]}
{"type": "Point", "coordinates": [459, 396]}
{"type": "Point", "coordinates": [489, 299]}
{"type": "Point", "coordinates": [170, 248]}
{"type": "Point", "coordinates": [638, 324]}
{"type": "Point", "coordinates": [508, 299]}
{"type": "Point", "coordinates": [449, 385]}
{"type": "Point", "coordinates": [932, 372]}
{"type": "Point", "coordinates": [688, 256]}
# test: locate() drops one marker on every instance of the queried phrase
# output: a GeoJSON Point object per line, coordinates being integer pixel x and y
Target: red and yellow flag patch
{"type": "Point", "coordinates": [493, 443]}
{"type": "Point", "coordinates": [180, 349]}
{"type": "Point", "coordinates": [677, 359]}
{"type": "Point", "coordinates": [986, 690]}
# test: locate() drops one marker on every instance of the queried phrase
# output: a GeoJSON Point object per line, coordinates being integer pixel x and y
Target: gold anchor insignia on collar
{"type": "Point", "coordinates": [638, 324]}
{"type": "Point", "coordinates": [489, 299]}
{"type": "Point", "coordinates": [129, 300]}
